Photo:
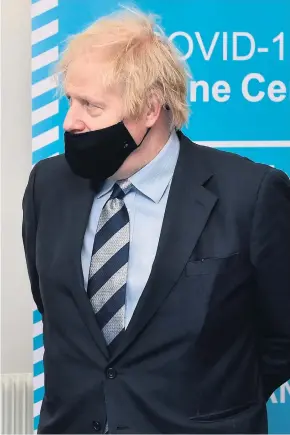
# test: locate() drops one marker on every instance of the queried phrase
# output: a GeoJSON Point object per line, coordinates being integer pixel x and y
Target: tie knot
{"type": "Point", "coordinates": [121, 188]}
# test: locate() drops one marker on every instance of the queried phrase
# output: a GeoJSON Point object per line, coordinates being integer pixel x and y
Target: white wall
{"type": "Point", "coordinates": [16, 301]}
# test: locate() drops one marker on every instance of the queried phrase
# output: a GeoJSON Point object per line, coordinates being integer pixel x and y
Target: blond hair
{"type": "Point", "coordinates": [142, 61]}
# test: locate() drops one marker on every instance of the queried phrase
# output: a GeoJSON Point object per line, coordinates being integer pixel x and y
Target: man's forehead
{"type": "Point", "coordinates": [86, 76]}
{"type": "Point", "coordinates": [81, 71]}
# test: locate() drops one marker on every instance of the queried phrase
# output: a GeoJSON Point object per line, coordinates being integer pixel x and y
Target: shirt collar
{"type": "Point", "coordinates": [106, 187]}
{"type": "Point", "coordinates": [153, 179]}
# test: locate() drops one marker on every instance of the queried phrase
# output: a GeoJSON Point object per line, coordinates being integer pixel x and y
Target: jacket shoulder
{"type": "Point", "coordinates": [234, 177]}
{"type": "Point", "coordinates": [229, 165]}
{"type": "Point", "coordinates": [53, 179]}
{"type": "Point", "coordinates": [53, 171]}
{"type": "Point", "coordinates": [52, 166]}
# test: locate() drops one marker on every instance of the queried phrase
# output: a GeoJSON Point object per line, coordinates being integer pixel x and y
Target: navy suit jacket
{"type": "Point", "coordinates": [209, 340]}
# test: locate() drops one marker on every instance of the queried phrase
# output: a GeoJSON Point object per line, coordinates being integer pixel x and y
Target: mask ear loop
{"type": "Point", "coordinates": [148, 129]}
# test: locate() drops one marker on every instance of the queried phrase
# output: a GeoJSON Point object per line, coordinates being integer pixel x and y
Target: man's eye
{"type": "Point", "coordinates": [91, 105]}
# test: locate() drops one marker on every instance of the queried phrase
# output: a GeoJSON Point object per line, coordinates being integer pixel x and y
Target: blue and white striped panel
{"type": "Point", "coordinates": [45, 136]}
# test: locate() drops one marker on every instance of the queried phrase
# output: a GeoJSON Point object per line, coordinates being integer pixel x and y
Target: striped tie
{"type": "Point", "coordinates": [109, 265]}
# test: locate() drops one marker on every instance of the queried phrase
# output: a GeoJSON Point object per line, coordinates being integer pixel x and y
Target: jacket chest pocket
{"type": "Point", "coordinates": [230, 269]}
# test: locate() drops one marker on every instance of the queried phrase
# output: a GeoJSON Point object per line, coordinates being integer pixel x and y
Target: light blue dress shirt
{"type": "Point", "coordinates": [146, 204]}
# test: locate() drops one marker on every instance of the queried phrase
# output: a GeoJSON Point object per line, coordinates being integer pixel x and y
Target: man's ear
{"type": "Point", "coordinates": [153, 110]}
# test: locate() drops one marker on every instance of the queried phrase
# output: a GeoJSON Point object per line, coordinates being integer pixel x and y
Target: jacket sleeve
{"type": "Point", "coordinates": [270, 253]}
{"type": "Point", "coordinates": [29, 227]}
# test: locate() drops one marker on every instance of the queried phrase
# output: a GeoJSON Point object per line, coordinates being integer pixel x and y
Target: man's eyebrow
{"type": "Point", "coordinates": [85, 98]}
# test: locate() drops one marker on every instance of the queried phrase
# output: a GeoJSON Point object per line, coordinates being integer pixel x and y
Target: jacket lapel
{"type": "Point", "coordinates": [78, 207]}
{"type": "Point", "coordinates": [188, 209]}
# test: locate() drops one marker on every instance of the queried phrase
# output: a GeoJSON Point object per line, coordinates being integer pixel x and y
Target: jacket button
{"type": "Point", "coordinates": [96, 426]}
{"type": "Point", "coordinates": [111, 373]}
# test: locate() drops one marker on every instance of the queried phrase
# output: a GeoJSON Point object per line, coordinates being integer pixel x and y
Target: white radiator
{"type": "Point", "coordinates": [16, 403]}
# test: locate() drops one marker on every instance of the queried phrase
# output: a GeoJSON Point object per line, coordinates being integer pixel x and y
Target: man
{"type": "Point", "coordinates": [161, 267]}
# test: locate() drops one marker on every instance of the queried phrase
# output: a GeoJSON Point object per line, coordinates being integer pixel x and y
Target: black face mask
{"type": "Point", "coordinates": [98, 154]}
